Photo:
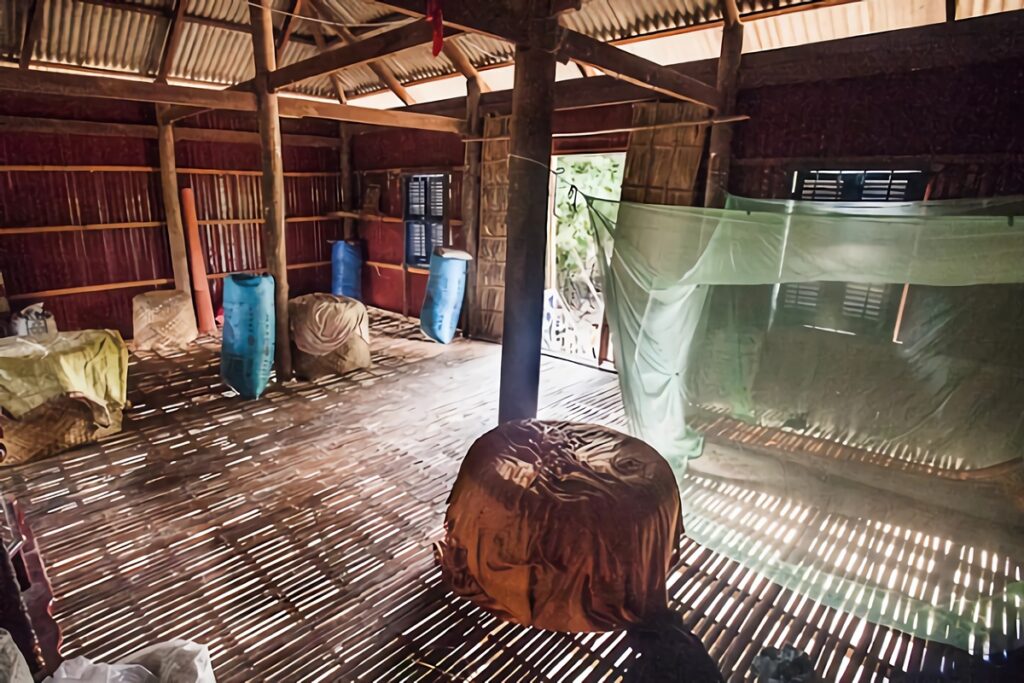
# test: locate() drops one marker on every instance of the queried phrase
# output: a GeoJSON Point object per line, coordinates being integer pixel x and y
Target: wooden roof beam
{"type": "Point", "coordinates": [480, 17]}
{"type": "Point", "coordinates": [321, 44]}
{"type": "Point", "coordinates": [300, 108]}
{"type": "Point", "coordinates": [359, 52]}
{"type": "Point", "coordinates": [33, 28]}
{"type": "Point", "coordinates": [289, 27]}
{"type": "Point", "coordinates": [72, 85]}
{"type": "Point", "coordinates": [380, 68]}
{"type": "Point", "coordinates": [458, 57]}
{"type": "Point", "coordinates": [636, 70]}
{"type": "Point", "coordinates": [175, 29]}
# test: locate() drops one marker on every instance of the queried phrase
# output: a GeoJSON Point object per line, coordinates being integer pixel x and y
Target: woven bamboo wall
{"type": "Point", "coordinates": [493, 206]}
{"type": "Point", "coordinates": [661, 164]}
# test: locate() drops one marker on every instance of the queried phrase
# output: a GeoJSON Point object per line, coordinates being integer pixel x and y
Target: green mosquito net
{"type": "Point", "coordinates": [891, 329]}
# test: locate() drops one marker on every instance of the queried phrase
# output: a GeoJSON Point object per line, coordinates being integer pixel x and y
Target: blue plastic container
{"type": "Point", "coordinates": [346, 269]}
{"type": "Point", "coordinates": [247, 350]}
{"type": "Point", "coordinates": [439, 316]}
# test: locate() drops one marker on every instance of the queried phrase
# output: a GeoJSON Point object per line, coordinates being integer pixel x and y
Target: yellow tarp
{"type": "Point", "coordinates": [90, 364]}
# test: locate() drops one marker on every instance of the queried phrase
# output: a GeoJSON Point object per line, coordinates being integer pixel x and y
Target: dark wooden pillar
{"type": "Point", "coordinates": [719, 150]}
{"type": "Point", "coordinates": [527, 220]}
{"type": "Point", "coordinates": [273, 180]}
{"type": "Point", "coordinates": [471, 199]}
{"type": "Point", "coordinates": [172, 208]}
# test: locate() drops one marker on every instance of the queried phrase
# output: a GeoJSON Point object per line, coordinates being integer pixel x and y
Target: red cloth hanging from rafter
{"type": "Point", "coordinates": [436, 17]}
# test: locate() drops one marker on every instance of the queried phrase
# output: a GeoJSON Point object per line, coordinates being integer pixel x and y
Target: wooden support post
{"type": "Point", "coordinates": [529, 160]}
{"type": "Point", "coordinates": [273, 181]}
{"type": "Point", "coordinates": [348, 188]}
{"type": "Point", "coordinates": [719, 149]}
{"type": "Point", "coordinates": [172, 208]}
{"type": "Point", "coordinates": [471, 200]}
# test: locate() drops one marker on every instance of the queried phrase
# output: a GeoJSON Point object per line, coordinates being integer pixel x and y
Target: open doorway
{"type": "Point", "coordinates": [574, 322]}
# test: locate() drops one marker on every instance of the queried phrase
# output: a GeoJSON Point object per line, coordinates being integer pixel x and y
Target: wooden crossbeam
{"type": "Point", "coordinates": [484, 18]}
{"type": "Point", "coordinates": [72, 85]}
{"type": "Point", "coordinates": [32, 124]}
{"type": "Point", "coordinates": [359, 52]}
{"type": "Point", "coordinates": [75, 85]}
{"type": "Point", "coordinates": [293, 106]}
{"type": "Point", "coordinates": [633, 69]}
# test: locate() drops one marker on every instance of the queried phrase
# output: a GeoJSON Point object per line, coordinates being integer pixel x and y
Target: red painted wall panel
{"type": "Point", "coordinates": [383, 241]}
{"type": "Point", "coordinates": [416, 288]}
{"type": "Point", "coordinates": [39, 262]}
{"type": "Point", "coordinates": [406, 148]}
{"type": "Point", "coordinates": [382, 287]}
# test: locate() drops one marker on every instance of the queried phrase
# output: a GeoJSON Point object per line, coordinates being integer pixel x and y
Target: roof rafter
{"type": "Point", "coordinates": [175, 29]}
{"type": "Point", "coordinates": [483, 18]}
{"type": "Point", "coordinates": [289, 27]}
{"type": "Point", "coordinates": [379, 67]}
{"type": "Point", "coordinates": [359, 52]}
{"type": "Point", "coordinates": [458, 57]}
{"type": "Point", "coordinates": [32, 30]}
{"type": "Point", "coordinates": [321, 44]}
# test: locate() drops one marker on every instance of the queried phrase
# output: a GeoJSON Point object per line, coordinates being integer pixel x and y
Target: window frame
{"type": "Point", "coordinates": [828, 313]}
{"type": "Point", "coordinates": [427, 218]}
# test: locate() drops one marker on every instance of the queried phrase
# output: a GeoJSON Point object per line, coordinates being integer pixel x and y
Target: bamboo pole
{"type": "Point", "coordinates": [172, 208]}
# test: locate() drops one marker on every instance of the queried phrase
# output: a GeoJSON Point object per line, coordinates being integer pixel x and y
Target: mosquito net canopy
{"type": "Point", "coordinates": [892, 328]}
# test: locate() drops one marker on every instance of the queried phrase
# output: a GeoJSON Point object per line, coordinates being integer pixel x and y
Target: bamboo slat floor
{"type": "Point", "coordinates": [292, 534]}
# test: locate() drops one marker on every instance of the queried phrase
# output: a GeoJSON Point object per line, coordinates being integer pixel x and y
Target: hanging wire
{"type": "Point", "coordinates": [573, 194]}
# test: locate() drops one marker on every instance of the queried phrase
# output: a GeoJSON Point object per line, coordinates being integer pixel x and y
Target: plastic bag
{"type": "Point", "coordinates": [175, 661]}
{"type": "Point", "coordinates": [33, 320]}
{"type": "Point", "coordinates": [13, 667]}
{"type": "Point", "coordinates": [84, 670]}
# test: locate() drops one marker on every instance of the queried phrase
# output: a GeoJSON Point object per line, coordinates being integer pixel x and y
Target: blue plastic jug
{"type": "Point", "coordinates": [346, 269]}
{"type": "Point", "coordinates": [446, 285]}
{"type": "Point", "coordinates": [247, 350]}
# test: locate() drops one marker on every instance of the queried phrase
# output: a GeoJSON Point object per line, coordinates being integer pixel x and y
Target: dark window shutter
{"type": "Point", "coordinates": [864, 302]}
{"type": "Point", "coordinates": [800, 296]}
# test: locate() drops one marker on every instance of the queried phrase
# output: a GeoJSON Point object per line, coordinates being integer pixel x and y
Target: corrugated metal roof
{"type": "Point", "coordinates": [607, 20]}
{"type": "Point", "coordinates": [84, 34]}
{"type": "Point", "coordinates": [130, 35]}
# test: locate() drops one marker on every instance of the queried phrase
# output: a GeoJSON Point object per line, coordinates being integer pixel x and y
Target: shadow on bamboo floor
{"type": "Point", "coordinates": [292, 534]}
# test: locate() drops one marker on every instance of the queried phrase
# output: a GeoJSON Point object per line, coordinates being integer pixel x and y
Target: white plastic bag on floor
{"type": "Point", "coordinates": [84, 670]}
{"type": "Point", "coordinates": [13, 667]}
{"type": "Point", "coordinates": [176, 661]}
